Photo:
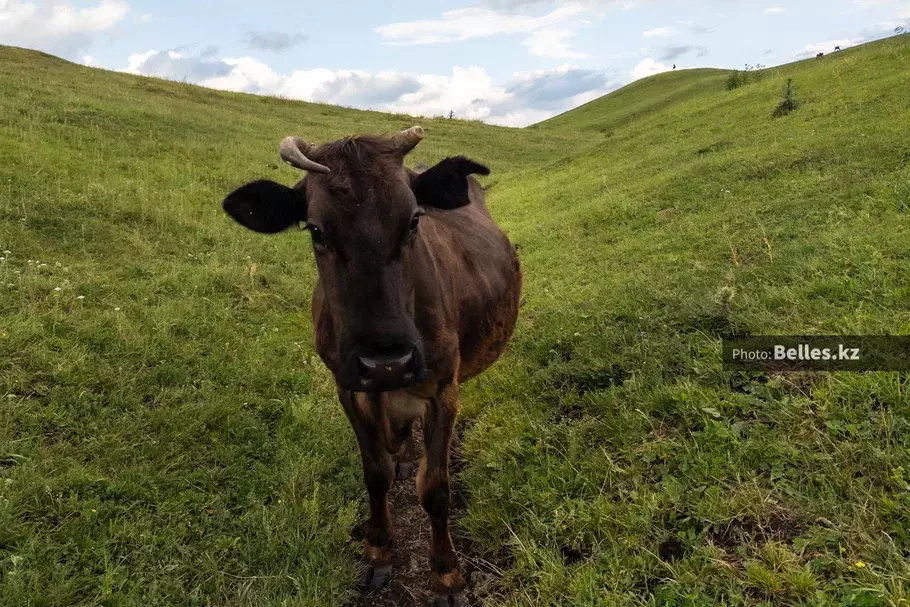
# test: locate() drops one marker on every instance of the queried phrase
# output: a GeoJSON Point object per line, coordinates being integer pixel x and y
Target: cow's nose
{"type": "Point", "coordinates": [386, 372]}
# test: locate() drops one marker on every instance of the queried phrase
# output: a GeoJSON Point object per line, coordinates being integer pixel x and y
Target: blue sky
{"type": "Point", "coordinates": [510, 62]}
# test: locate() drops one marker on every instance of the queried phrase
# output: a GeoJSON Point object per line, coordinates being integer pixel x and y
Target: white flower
{"type": "Point", "coordinates": [80, 297]}
{"type": "Point", "coordinates": [116, 309]}
{"type": "Point", "coordinates": [7, 252]}
{"type": "Point", "coordinates": [2, 258]}
{"type": "Point", "coordinates": [57, 288]}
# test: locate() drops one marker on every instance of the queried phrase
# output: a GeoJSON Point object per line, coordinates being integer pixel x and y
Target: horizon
{"type": "Point", "coordinates": [503, 62]}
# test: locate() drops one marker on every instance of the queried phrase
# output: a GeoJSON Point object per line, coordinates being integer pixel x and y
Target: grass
{"type": "Point", "coordinates": [171, 438]}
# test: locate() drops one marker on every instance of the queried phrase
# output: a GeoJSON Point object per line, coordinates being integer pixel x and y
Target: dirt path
{"type": "Point", "coordinates": [410, 560]}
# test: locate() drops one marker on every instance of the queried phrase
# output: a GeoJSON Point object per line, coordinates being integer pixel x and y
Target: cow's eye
{"type": "Point", "coordinates": [317, 235]}
{"type": "Point", "coordinates": [415, 221]}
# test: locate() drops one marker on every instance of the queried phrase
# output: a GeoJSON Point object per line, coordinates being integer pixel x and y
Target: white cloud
{"type": "Point", "coordinates": [553, 44]}
{"type": "Point", "coordinates": [469, 92]}
{"type": "Point", "coordinates": [57, 27]}
{"type": "Point", "coordinates": [774, 10]}
{"type": "Point", "coordinates": [475, 22]}
{"type": "Point", "coordinates": [547, 35]}
{"type": "Point", "coordinates": [874, 3]}
{"type": "Point", "coordinates": [648, 67]}
{"type": "Point", "coordinates": [828, 46]}
{"type": "Point", "coordinates": [89, 61]}
{"type": "Point", "coordinates": [660, 32]}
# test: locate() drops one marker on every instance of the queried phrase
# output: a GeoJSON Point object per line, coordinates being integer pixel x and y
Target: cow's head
{"type": "Point", "coordinates": [362, 208]}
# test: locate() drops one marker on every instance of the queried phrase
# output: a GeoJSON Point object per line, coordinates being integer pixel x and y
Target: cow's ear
{"type": "Point", "coordinates": [445, 186]}
{"type": "Point", "coordinates": [266, 207]}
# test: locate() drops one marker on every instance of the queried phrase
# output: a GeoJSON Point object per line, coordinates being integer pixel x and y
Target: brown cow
{"type": "Point", "coordinates": [418, 292]}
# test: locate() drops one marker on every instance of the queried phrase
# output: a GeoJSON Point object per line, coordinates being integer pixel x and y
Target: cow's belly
{"type": "Point", "coordinates": [487, 329]}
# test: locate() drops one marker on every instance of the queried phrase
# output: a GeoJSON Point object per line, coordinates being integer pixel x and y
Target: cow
{"type": "Point", "coordinates": [819, 56]}
{"type": "Point", "coordinates": [418, 291]}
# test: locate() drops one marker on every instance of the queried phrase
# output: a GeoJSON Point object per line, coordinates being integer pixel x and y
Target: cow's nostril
{"type": "Point", "coordinates": [366, 364]}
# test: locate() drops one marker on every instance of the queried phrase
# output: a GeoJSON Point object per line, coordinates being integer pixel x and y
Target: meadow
{"type": "Point", "coordinates": [169, 437]}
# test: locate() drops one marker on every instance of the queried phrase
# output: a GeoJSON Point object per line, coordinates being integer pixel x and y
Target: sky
{"type": "Point", "coordinates": [506, 62]}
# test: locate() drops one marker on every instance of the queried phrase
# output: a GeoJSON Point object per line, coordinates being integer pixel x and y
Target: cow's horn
{"type": "Point", "coordinates": [293, 151]}
{"type": "Point", "coordinates": [408, 139]}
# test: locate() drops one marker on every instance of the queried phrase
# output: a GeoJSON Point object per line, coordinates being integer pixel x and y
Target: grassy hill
{"type": "Point", "coordinates": [168, 436]}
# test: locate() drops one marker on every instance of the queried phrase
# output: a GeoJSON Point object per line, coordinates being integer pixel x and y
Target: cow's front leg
{"type": "Point", "coordinates": [433, 490]}
{"type": "Point", "coordinates": [378, 471]}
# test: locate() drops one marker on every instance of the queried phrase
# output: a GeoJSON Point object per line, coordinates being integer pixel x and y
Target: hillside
{"type": "Point", "coordinates": [168, 436]}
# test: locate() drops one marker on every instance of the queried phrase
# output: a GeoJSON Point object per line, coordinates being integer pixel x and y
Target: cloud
{"type": "Point", "coordinates": [648, 67]}
{"type": "Point", "coordinates": [548, 34]}
{"type": "Point", "coordinates": [880, 30]}
{"type": "Point", "coordinates": [57, 27]}
{"type": "Point", "coordinates": [675, 52]}
{"type": "Point", "coordinates": [469, 92]}
{"type": "Point", "coordinates": [701, 30]}
{"type": "Point", "coordinates": [174, 65]}
{"type": "Point", "coordinates": [660, 32]}
{"type": "Point", "coordinates": [552, 44]}
{"type": "Point", "coordinates": [774, 10]}
{"type": "Point", "coordinates": [549, 89]}
{"type": "Point", "coordinates": [828, 46]}
{"type": "Point", "coordinates": [268, 40]}
{"type": "Point", "coordinates": [467, 23]}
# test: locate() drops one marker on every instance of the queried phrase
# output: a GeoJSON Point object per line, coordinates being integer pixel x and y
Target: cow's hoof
{"type": "Point", "coordinates": [403, 470]}
{"type": "Point", "coordinates": [459, 599]}
{"type": "Point", "coordinates": [375, 578]}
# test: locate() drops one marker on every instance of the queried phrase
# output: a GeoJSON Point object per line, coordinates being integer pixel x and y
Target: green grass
{"type": "Point", "coordinates": [171, 438]}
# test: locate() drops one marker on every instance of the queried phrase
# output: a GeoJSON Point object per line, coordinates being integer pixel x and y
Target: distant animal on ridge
{"type": "Point", "coordinates": [819, 56]}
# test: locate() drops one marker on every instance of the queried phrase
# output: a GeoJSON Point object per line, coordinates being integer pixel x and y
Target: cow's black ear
{"type": "Point", "coordinates": [266, 207]}
{"type": "Point", "coordinates": [445, 185]}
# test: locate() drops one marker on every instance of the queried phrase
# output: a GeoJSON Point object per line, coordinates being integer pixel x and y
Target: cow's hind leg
{"type": "Point", "coordinates": [378, 471]}
{"type": "Point", "coordinates": [433, 491]}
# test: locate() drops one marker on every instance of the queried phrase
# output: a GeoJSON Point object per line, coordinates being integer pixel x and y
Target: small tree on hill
{"type": "Point", "coordinates": [789, 103]}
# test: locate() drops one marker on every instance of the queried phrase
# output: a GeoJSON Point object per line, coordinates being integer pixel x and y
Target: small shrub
{"type": "Point", "coordinates": [752, 73]}
{"type": "Point", "coordinates": [735, 80]}
{"type": "Point", "coordinates": [789, 103]}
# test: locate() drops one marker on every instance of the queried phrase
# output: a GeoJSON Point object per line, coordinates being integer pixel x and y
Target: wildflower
{"type": "Point", "coordinates": [57, 289]}
{"type": "Point", "coordinates": [94, 511]}
{"type": "Point", "coordinates": [7, 252]}
{"type": "Point", "coordinates": [2, 258]}
{"type": "Point", "coordinates": [860, 564]}
{"type": "Point", "coordinates": [80, 297]}
{"type": "Point", "coordinates": [116, 309]}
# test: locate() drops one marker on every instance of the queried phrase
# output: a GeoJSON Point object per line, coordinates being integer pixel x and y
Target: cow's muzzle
{"type": "Point", "coordinates": [371, 371]}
